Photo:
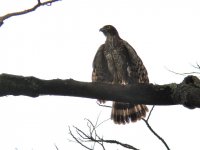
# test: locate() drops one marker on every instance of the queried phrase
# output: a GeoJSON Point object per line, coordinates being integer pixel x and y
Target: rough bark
{"type": "Point", "coordinates": [186, 93]}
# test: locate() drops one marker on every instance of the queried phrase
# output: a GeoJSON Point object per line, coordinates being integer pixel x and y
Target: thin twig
{"type": "Point", "coordinates": [183, 74]}
{"type": "Point", "coordinates": [150, 128]}
{"type": "Point", "coordinates": [93, 136]}
{"type": "Point", "coordinates": [197, 66]}
{"type": "Point", "coordinates": [150, 113]}
{"type": "Point", "coordinates": [159, 137]}
{"type": "Point", "coordinates": [103, 105]}
{"type": "Point", "coordinates": [56, 147]}
{"type": "Point", "coordinates": [84, 135]}
{"type": "Point", "coordinates": [102, 122]}
{"type": "Point", "coordinates": [39, 4]}
{"type": "Point", "coordinates": [95, 133]}
{"type": "Point", "coordinates": [186, 73]}
{"type": "Point", "coordinates": [70, 132]}
{"type": "Point", "coordinates": [89, 138]}
{"type": "Point", "coordinates": [119, 143]}
{"type": "Point", "coordinates": [148, 125]}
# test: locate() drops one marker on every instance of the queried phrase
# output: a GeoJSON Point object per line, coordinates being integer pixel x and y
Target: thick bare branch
{"type": "Point", "coordinates": [186, 93]}
{"type": "Point", "coordinates": [39, 4]}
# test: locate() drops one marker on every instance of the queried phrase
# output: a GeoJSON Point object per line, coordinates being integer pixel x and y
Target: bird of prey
{"type": "Point", "coordinates": [116, 62]}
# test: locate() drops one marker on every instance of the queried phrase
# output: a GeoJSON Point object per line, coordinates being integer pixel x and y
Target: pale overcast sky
{"type": "Point", "coordinates": [60, 42]}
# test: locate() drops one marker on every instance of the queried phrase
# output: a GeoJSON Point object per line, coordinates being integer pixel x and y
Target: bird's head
{"type": "Point", "coordinates": [109, 30]}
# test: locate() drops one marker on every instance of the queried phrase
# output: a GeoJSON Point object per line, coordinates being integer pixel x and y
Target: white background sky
{"type": "Point", "coordinates": [60, 42]}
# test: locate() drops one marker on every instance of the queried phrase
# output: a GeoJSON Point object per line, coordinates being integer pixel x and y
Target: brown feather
{"type": "Point", "coordinates": [117, 62]}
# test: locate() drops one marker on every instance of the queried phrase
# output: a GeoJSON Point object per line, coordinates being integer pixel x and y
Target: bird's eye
{"type": "Point", "coordinates": [108, 27]}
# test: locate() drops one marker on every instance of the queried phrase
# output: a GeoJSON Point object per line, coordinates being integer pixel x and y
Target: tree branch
{"type": "Point", "coordinates": [77, 140]}
{"type": "Point", "coordinates": [93, 137]}
{"type": "Point", "coordinates": [146, 121]}
{"type": "Point", "coordinates": [39, 4]}
{"type": "Point", "coordinates": [186, 93]}
{"type": "Point", "coordinates": [150, 113]}
{"type": "Point", "coordinates": [151, 129]}
{"type": "Point", "coordinates": [159, 137]}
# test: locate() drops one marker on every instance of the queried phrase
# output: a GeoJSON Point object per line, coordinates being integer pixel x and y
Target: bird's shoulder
{"type": "Point", "coordinates": [101, 48]}
{"type": "Point", "coordinates": [127, 45]}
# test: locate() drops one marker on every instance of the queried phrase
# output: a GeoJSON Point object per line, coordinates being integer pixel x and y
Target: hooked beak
{"type": "Point", "coordinates": [102, 30]}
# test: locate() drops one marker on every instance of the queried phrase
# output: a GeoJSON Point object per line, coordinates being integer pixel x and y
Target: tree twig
{"type": "Point", "coordinates": [150, 113]}
{"type": "Point", "coordinates": [39, 4]}
{"type": "Point", "coordinates": [94, 137]}
{"type": "Point", "coordinates": [197, 66]}
{"type": "Point", "coordinates": [151, 129]}
{"type": "Point", "coordinates": [159, 137]}
{"type": "Point", "coordinates": [185, 73]}
{"type": "Point", "coordinates": [102, 105]}
{"type": "Point", "coordinates": [149, 126]}
{"type": "Point", "coordinates": [78, 141]}
{"type": "Point", "coordinates": [56, 147]}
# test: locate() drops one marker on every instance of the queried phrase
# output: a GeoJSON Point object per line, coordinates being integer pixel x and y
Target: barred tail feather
{"type": "Point", "coordinates": [123, 113]}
